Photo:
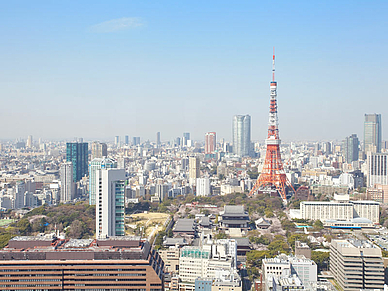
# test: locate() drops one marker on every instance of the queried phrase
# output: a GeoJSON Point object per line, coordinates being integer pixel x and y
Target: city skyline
{"type": "Point", "coordinates": [63, 66]}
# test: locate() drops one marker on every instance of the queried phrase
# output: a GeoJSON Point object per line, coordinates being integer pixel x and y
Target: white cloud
{"type": "Point", "coordinates": [119, 24]}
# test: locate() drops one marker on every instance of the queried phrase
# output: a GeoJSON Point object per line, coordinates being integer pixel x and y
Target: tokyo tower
{"type": "Point", "coordinates": [273, 174]}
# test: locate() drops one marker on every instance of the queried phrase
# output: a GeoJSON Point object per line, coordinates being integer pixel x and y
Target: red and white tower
{"type": "Point", "coordinates": [273, 174]}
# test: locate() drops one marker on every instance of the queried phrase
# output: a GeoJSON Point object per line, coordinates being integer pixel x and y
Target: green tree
{"type": "Point", "coordinates": [221, 235]}
{"type": "Point", "coordinates": [318, 225]}
{"type": "Point", "coordinates": [24, 226]}
{"type": "Point", "coordinates": [277, 247]}
{"type": "Point", "coordinates": [321, 259]}
{"type": "Point", "coordinates": [254, 258]}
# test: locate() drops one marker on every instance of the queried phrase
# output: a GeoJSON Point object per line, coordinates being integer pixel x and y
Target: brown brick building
{"type": "Point", "coordinates": [42, 263]}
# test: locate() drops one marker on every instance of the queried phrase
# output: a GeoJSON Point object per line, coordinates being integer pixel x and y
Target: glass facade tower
{"type": "Point", "coordinates": [372, 133]}
{"type": "Point", "coordinates": [350, 148]}
{"type": "Point", "coordinates": [241, 135]}
{"type": "Point", "coordinates": [77, 153]}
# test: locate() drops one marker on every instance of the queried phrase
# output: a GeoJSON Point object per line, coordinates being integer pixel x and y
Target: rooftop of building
{"type": "Point", "coordinates": [169, 241]}
{"type": "Point", "coordinates": [354, 247]}
{"type": "Point", "coordinates": [285, 259]}
{"type": "Point", "coordinates": [234, 210]}
{"type": "Point", "coordinates": [184, 225]}
{"type": "Point", "coordinates": [51, 247]}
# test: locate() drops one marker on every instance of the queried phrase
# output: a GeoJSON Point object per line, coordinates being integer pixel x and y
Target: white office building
{"type": "Point", "coordinates": [95, 165]}
{"type": "Point", "coordinates": [324, 210]}
{"type": "Point", "coordinates": [377, 169]}
{"type": "Point", "coordinates": [110, 207]}
{"type": "Point", "coordinates": [67, 184]}
{"type": "Point", "coordinates": [336, 210]}
{"type": "Point", "coordinates": [203, 186]}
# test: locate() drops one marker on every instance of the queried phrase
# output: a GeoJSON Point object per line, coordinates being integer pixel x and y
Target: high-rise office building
{"type": "Point", "coordinates": [377, 171]}
{"type": "Point", "coordinates": [203, 187]}
{"type": "Point", "coordinates": [117, 140]}
{"type": "Point", "coordinates": [77, 153]}
{"type": "Point", "coordinates": [372, 133]}
{"type": "Point", "coordinates": [241, 135]}
{"type": "Point", "coordinates": [29, 141]}
{"type": "Point", "coordinates": [186, 137]}
{"type": "Point", "coordinates": [94, 166]}
{"type": "Point", "coordinates": [19, 194]}
{"type": "Point", "coordinates": [67, 193]}
{"type": "Point", "coordinates": [110, 206]}
{"type": "Point", "coordinates": [136, 140]}
{"type": "Point", "coordinates": [350, 148]}
{"type": "Point", "coordinates": [210, 142]}
{"type": "Point", "coordinates": [194, 169]}
{"type": "Point", "coordinates": [99, 150]}
{"type": "Point", "coordinates": [126, 139]}
{"type": "Point", "coordinates": [158, 139]}
{"type": "Point", "coordinates": [356, 265]}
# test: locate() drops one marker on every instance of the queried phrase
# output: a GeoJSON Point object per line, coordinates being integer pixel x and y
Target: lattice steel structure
{"type": "Point", "coordinates": [273, 174]}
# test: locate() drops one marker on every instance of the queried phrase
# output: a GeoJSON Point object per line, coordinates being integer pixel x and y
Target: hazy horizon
{"type": "Point", "coordinates": [87, 69]}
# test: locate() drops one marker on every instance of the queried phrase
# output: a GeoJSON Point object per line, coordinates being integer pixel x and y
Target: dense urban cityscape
{"type": "Point", "coordinates": [196, 215]}
{"type": "Point", "coordinates": [177, 177]}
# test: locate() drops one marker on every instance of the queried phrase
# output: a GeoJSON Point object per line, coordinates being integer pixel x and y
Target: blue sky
{"type": "Point", "coordinates": [96, 69]}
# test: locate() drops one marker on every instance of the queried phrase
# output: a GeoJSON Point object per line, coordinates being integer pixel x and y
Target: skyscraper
{"type": "Point", "coordinates": [186, 137]}
{"type": "Point", "coordinates": [193, 170]}
{"type": "Point", "coordinates": [77, 153]}
{"type": "Point", "coordinates": [241, 135]}
{"type": "Point", "coordinates": [99, 150]}
{"type": "Point", "coordinates": [350, 148]}
{"type": "Point", "coordinates": [372, 133]}
{"type": "Point", "coordinates": [126, 139]}
{"type": "Point", "coordinates": [67, 193]}
{"type": "Point", "coordinates": [110, 207]}
{"type": "Point", "coordinates": [158, 139]}
{"type": "Point", "coordinates": [94, 166]}
{"type": "Point", "coordinates": [29, 141]}
{"type": "Point", "coordinates": [210, 142]}
{"type": "Point", "coordinates": [377, 172]}
{"type": "Point", "coordinates": [136, 140]}
{"type": "Point", "coordinates": [117, 140]}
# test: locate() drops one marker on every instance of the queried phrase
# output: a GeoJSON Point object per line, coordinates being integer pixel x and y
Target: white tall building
{"type": "Point", "coordinates": [67, 184]}
{"type": "Point", "coordinates": [19, 194]}
{"type": "Point", "coordinates": [194, 170]}
{"type": "Point", "coordinates": [110, 207]}
{"type": "Point", "coordinates": [29, 141]}
{"type": "Point", "coordinates": [95, 165]}
{"type": "Point", "coordinates": [377, 169]}
{"type": "Point", "coordinates": [203, 186]}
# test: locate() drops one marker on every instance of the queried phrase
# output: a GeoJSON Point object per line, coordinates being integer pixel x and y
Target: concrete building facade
{"type": "Point", "coordinates": [356, 265]}
{"type": "Point", "coordinates": [110, 207]}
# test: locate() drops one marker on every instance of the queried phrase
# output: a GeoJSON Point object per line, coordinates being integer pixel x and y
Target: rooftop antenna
{"type": "Point", "coordinates": [273, 65]}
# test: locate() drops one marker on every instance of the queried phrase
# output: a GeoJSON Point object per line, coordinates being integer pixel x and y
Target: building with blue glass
{"type": "Point", "coordinates": [77, 153]}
